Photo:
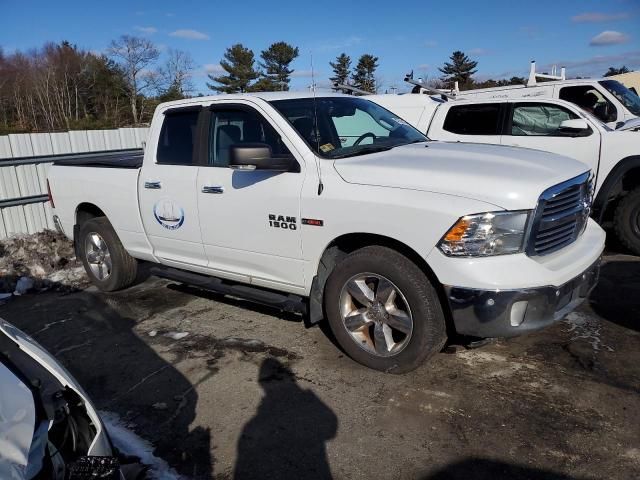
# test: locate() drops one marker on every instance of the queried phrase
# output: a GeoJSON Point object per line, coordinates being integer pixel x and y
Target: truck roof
{"type": "Point", "coordinates": [267, 96]}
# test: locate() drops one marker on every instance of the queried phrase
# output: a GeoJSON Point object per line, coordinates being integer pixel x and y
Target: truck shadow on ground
{"type": "Point", "coordinates": [615, 298]}
{"type": "Point", "coordinates": [93, 335]}
{"type": "Point", "coordinates": [485, 469]}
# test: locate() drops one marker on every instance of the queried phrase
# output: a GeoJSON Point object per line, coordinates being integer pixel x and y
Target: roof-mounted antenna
{"type": "Point", "coordinates": [315, 128]}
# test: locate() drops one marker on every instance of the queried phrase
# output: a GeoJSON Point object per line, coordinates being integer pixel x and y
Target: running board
{"type": "Point", "coordinates": [286, 302]}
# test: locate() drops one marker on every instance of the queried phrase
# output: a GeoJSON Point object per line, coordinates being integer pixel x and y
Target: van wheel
{"type": "Point", "coordinates": [105, 260]}
{"type": "Point", "coordinates": [627, 221]}
{"type": "Point", "coordinates": [383, 310]}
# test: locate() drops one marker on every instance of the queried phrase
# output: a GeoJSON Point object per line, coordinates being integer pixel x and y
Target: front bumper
{"type": "Point", "coordinates": [507, 313]}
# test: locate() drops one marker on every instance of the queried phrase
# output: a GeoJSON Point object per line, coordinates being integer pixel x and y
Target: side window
{"type": "Point", "coordinates": [539, 119]}
{"type": "Point", "coordinates": [177, 137]}
{"type": "Point", "coordinates": [591, 100]}
{"type": "Point", "coordinates": [236, 126]}
{"type": "Point", "coordinates": [349, 128]}
{"type": "Point", "coordinates": [477, 119]}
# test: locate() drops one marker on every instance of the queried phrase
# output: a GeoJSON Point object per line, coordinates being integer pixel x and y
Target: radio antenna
{"type": "Point", "coordinates": [315, 128]}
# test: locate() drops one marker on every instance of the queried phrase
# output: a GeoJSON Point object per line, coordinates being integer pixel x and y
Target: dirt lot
{"type": "Point", "coordinates": [251, 393]}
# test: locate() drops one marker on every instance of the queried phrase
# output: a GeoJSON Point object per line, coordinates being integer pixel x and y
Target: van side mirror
{"type": "Point", "coordinates": [576, 127]}
{"type": "Point", "coordinates": [256, 156]}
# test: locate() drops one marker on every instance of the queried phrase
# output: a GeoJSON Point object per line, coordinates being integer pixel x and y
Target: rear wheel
{"type": "Point", "coordinates": [383, 310]}
{"type": "Point", "coordinates": [627, 221]}
{"type": "Point", "coordinates": [105, 260]}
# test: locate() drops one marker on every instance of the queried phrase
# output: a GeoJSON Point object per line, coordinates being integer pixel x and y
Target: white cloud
{"type": "Point", "coordinates": [170, 14]}
{"type": "Point", "coordinates": [190, 34]}
{"type": "Point", "coordinates": [340, 44]}
{"type": "Point", "coordinates": [479, 51]}
{"type": "Point", "coordinates": [423, 66]}
{"type": "Point", "coordinates": [430, 43]}
{"type": "Point", "coordinates": [609, 37]}
{"type": "Point", "coordinates": [213, 68]}
{"type": "Point", "coordinates": [594, 17]}
{"type": "Point", "coordinates": [305, 73]}
{"type": "Point", "coordinates": [146, 30]}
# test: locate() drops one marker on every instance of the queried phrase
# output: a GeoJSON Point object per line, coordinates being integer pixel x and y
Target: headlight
{"type": "Point", "coordinates": [484, 234]}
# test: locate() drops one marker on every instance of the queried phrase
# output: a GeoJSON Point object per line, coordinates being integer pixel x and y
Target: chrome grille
{"type": "Point", "coordinates": [561, 215]}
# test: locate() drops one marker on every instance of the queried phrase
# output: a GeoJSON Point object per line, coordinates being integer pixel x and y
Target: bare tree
{"type": "Point", "coordinates": [177, 72]}
{"type": "Point", "coordinates": [136, 55]}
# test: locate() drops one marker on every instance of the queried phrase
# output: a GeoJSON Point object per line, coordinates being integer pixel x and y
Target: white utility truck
{"type": "Point", "coordinates": [395, 240]}
{"type": "Point", "coordinates": [544, 124]}
{"type": "Point", "coordinates": [608, 99]}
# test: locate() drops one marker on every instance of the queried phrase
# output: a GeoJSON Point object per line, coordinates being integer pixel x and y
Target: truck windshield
{"type": "Point", "coordinates": [339, 127]}
{"type": "Point", "coordinates": [624, 95]}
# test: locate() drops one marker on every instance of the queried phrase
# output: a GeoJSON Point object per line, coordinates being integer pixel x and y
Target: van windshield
{"type": "Point", "coordinates": [339, 127]}
{"type": "Point", "coordinates": [629, 99]}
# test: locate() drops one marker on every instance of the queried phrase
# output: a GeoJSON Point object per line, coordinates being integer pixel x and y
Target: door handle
{"type": "Point", "coordinates": [153, 185]}
{"type": "Point", "coordinates": [212, 189]}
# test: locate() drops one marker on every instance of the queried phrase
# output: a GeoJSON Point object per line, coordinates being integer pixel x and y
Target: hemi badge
{"type": "Point", "coordinates": [312, 221]}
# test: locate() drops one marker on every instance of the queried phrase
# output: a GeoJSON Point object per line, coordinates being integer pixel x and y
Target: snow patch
{"type": "Point", "coordinates": [129, 443]}
{"type": "Point", "coordinates": [176, 335]}
{"type": "Point", "coordinates": [586, 327]}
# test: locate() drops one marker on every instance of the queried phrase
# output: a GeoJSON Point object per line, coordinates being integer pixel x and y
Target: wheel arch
{"type": "Point", "coordinates": [623, 177]}
{"type": "Point", "coordinates": [341, 246]}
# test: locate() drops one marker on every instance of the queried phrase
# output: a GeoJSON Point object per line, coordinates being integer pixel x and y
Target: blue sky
{"type": "Point", "coordinates": [503, 36]}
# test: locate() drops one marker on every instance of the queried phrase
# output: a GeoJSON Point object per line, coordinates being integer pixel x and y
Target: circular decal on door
{"type": "Point", "coordinates": [168, 214]}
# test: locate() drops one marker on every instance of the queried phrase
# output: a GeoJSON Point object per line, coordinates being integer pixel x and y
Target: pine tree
{"type": "Point", "coordinates": [341, 69]}
{"type": "Point", "coordinates": [275, 62]}
{"type": "Point", "coordinates": [459, 70]}
{"type": "Point", "coordinates": [238, 63]}
{"type": "Point", "coordinates": [364, 75]}
{"type": "Point", "coordinates": [616, 71]}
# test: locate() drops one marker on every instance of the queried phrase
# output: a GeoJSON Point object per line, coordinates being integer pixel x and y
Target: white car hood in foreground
{"type": "Point", "coordinates": [507, 177]}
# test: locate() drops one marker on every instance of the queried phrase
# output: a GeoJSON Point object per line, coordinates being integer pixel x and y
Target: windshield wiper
{"type": "Point", "coordinates": [366, 150]}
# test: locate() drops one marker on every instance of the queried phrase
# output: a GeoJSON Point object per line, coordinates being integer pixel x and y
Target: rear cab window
{"type": "Point", "coordinates": [477, 119]}
{"type": "Point", "coordinates": [178, 137]}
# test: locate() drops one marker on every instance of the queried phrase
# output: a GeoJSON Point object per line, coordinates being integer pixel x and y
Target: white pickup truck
{"type": "Point", "coordinates": [397, 242]}
{"type": "Point", "coordinates": [547, 124]}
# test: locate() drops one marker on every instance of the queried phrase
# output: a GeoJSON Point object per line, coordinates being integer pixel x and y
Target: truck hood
{"type": "Point", "coordinates": [632, 124]}
{"type": "Point", "coordinates": [507, 177]}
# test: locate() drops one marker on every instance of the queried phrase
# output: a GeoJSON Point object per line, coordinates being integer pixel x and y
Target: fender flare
{"type": "Point", "coordinates": [616, 175]}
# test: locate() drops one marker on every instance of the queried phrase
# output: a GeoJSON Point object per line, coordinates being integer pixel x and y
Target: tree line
{"type": "Point", "coordinates": [63, 87]}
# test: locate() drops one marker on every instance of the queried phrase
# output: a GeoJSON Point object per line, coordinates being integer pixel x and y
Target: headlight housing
{"type": "Point", "coordinates": [486, 234]}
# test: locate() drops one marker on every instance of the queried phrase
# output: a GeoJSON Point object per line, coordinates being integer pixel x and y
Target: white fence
{"type": "Point", "coordinates": [24, 181]}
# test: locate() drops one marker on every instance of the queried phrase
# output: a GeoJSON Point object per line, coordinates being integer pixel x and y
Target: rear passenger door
{"type": "Point", "coordinates": [472, 122]}
{"type": "Point", "coordinates": [167, 191]}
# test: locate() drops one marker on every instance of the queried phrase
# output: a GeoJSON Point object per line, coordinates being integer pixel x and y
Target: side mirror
{"type": "Point", "coordinates": [256, 156]}
{"type": "Point", "coordinates": [576, 127]}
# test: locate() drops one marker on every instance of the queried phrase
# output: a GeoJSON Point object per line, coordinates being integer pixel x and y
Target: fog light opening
{"type": "Point", "coordinates": [518, 312]}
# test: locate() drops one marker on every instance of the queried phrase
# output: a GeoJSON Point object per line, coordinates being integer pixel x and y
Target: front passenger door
{"type": "Point", "coordinates": [250, 219]}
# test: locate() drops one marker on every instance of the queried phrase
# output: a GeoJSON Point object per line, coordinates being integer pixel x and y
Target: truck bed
{"type": "Point", "coordinates": [131, 159]}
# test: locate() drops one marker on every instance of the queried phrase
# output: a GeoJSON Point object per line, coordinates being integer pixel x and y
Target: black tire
{"type": "Point", "coordinates": [124, 267]}
{"type": "Point", "coordinates": [429, 330]}
{"type": "Point", "coordinates": [626, 221]}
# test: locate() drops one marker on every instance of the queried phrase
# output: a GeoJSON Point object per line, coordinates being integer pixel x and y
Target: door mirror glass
{"type": "Point", "coordinates": [257, 156]}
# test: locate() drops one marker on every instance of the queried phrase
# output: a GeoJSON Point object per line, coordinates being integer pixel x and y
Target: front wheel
{"type": "Point", "coordinates": [383, 310]}
{"type": "Point", "coordinates": [108, 265]}
{"type": "Point", "coordinates": [627, 221]}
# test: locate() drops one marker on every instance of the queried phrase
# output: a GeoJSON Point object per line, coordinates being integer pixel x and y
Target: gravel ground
{"type": "Point", "coordinates": [222, 388]}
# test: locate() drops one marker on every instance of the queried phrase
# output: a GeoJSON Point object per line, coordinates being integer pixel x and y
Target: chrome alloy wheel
{"type": "Point", "coordinates": [98, 256]}
{"type": "Point", "coordinates": [376, 314]}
